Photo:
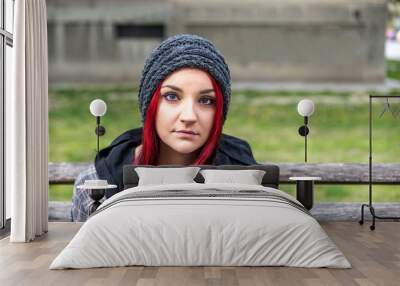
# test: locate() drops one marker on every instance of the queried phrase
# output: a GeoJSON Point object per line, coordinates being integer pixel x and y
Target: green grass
{"type": "Point", "coordinates": [393, 69]}
{"type": "Point", "coordinates": [60, 192]}
{"type": "Point", "coordinates": [72, 137]}
{"type": "Point", "coordinates": [267, 120]}
{"type": "Point", "coordinates": [339, 131]}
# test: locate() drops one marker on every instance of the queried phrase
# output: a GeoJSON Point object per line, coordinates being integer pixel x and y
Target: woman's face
{"type": "Point", "coordinates": [187, 103]}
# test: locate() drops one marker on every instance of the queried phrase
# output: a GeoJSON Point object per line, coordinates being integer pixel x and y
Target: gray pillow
{"type": "Point", "coordinates": [249, 177]}
{"type": "Point", "coordinates": [162, 176]}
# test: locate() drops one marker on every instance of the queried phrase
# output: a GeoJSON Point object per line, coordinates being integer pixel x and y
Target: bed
{"type": "Point", "coordinates": [201, 223]}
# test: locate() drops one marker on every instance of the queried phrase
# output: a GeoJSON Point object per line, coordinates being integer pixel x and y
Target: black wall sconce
{"type": "Point", "coordinates": [97, 188]}
{"type": "Point", "coordinates": [98, 108]}
{"type": "Point", "coordinates": [305, 108]}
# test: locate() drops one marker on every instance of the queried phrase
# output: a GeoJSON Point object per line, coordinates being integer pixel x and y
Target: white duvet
{"type": "Point", "coordinates": [201, 224]}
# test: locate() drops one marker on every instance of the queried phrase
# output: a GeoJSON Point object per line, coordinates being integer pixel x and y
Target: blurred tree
{"type": "Point", "coordinates": [393, 10]}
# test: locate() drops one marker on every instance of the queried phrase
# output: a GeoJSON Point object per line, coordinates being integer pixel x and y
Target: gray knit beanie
{"type": "Point", "coordinates": [183, 50]}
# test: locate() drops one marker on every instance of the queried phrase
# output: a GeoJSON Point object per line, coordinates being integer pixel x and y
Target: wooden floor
{"type": "Point", "coordinates": [374, 255]}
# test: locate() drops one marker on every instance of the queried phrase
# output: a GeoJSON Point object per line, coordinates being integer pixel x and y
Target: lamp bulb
{"type": "Point", "coordinates": [305, 107]}
{"type": "Point", "coordinates": [98, 107]}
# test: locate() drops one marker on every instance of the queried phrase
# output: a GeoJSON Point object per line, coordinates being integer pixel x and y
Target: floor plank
{"type": "Point", "coordinates": [374, 255]}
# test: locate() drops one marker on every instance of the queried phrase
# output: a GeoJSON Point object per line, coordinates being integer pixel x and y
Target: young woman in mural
{"type": "Point", "coordinates": [184, 95]}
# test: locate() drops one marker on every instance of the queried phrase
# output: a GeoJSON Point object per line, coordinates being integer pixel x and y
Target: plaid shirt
{"type": "Point", "coordinates": [81, 200]}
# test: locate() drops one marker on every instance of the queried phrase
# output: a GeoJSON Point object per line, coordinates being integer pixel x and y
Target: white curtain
{"type": "Point", "coordinates": [27, 123]}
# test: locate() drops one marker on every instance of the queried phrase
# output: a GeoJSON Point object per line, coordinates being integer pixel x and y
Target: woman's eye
{"type": "Point", "coordinates": [207, 100]}
{"type": "Point", "coordinates": [170, 96]}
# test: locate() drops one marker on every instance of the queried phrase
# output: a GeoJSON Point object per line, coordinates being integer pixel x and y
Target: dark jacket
{"type": "Point", "coordinates": [110, 160]}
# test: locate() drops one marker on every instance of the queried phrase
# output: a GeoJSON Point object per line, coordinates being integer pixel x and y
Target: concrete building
{"type": "Point", "coordinates": [262, 40]}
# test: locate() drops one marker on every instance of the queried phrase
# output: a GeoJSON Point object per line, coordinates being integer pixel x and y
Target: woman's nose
{"type": "Point", "coordinates": [188, 111]}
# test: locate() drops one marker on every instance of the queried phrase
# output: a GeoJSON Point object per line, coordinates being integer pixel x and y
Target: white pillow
{"type": "Point", "coordinates": [250, 177]}
{"type": "Point", "coordinates": [162, 176]}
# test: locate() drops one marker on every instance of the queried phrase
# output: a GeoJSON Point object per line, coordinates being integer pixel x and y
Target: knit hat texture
{"type": "Point", "coordinates": [183, 50]}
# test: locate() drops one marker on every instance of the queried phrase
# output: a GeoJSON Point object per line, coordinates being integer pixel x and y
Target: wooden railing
{"type": "Point", "coordinates": [331, 173]}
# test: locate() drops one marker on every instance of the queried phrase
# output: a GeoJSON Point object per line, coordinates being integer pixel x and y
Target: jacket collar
{"type": "Point", "coordinates": [110, 160]}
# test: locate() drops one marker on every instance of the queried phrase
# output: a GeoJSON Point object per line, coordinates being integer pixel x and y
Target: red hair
{"type": "Point", "coordinates": [151, 140]}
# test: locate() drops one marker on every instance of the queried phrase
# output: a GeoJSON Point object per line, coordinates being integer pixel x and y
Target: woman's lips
{"type": "Point", "coordinates": [187, 131]}
{"type": "Point", "coordinates": [185, 134]}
